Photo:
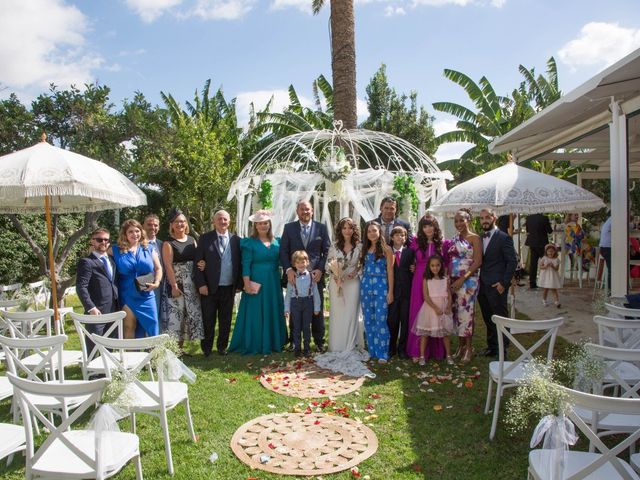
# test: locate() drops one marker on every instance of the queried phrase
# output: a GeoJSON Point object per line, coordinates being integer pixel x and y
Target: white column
{"type": "Point", "coordinates": [619, 202]}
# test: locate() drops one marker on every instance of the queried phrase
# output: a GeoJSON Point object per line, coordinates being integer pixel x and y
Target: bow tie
{"type": "Point", "coordinates": [486, 235]}
{"type": "Point", "coordinates": [302, 274]}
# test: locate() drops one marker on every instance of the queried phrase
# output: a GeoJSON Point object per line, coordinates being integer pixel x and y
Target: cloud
{"type": "Point", "coordinates": [151, 10]}
{"type": "Point", "coordinates": [221, 9]}
{"type": "Point", "coordinates": [43, 42]}
{"type": "Point", "coordinates": [363, 110]}
{"type": "Point", "coordinates": [260, 99]}
{"type": "Point", "coordinates": [391, 11]}
{"type": "Point", "coordinates": [302, 5]}
{"type": "Point", "coordinates": [599, 44]}
{"type": "Point", "coordinates": [448, 151]}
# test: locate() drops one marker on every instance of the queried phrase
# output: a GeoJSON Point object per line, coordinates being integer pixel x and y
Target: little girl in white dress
{"type": "Point", "coordinates": [434, 318]}
{"type": "Point", "coordinates": [549, 279]}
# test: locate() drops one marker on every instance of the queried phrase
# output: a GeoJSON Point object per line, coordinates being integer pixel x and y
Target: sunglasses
{"type": "Point", "coordinates": [101, 240]}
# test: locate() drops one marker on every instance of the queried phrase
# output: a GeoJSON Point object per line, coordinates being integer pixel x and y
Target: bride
{"type": "Point", "coordinates": [346, 340]}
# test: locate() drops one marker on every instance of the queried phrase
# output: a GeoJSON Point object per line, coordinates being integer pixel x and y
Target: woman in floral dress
{"type": "Point", "coordinates": [465, 257]}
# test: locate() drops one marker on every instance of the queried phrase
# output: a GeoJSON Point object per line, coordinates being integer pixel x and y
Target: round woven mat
{"type": "Point", "coordinates": [304, 379]}
{"type": "Point", "coordinates": [303, 444]}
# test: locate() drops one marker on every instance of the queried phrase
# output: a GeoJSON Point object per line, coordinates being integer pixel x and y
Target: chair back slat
{"type": "Point", "coordinates": [47, 348]}
{"type": "Point", "coordinates": [9, 292]}
{"type": "Point", "coordinates": [612, 361]}
{"type": "Point", "coordinates": [29, 324]}
{"type": "Point", "coordinates": [618, 332]}
{"type": "Point", "coordinates": [114, 321]}
{"type": "Point", "coordinates": [621, 312]}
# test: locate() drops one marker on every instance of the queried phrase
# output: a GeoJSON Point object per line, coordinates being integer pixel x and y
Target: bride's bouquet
{"type": "Point", "coordinates": [336, 269]}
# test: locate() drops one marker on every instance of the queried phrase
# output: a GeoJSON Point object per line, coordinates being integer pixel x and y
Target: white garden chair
{"type": "Point", "coordinates": [37, 324]}
{"type": "Point", "coordinates": [152, 397]}
{"type": "Point", "coordinates": [603, 464]}
{"type": "Point", "coordinates": [70, 453]}
{"type": "Point", "coordinates": [92, 363]}
{"type": "Point", "coordinates": [621, 312]}
{"type": "Point", "coordinates": [10, 292]}
{"type": "Point", "coordinates": [12, 440]}
{"type": "Point", "coordinates": [39, 294]}
{"type": "Point", "coordinates": [620, 373]}
{"type": "Point", "coordinates": [618, 332]}
{"type": "Point", "coordinates": [505, 374]}
{"type": "Point", "coordinates": [48, 370]}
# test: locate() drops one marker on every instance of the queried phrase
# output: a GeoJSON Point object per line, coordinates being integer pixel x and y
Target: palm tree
{"type": "Point", "coordinates": [343, 59]}
{"type": "Point", "coordinates": [543, 91]}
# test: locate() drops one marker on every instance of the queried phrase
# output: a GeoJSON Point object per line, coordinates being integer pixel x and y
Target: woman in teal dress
{"type": "Point", "coordinates": [260, 326]}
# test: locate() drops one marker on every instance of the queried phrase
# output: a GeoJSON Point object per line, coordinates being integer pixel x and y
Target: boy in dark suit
{"type": "Point", "coordinates": [498, 266]}
{"type": "Point", "coordinates": [398, 318]}
{"type": "Point", "coordinates": [95, 282]}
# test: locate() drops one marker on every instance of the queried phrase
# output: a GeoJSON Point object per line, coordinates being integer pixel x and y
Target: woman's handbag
{"type": "Point", "coordinates": [142, 280]}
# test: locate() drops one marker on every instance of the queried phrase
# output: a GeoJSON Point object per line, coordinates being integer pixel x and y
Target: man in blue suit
{"type": "Point", "coordinates": [498, 266]}
{"type": "Point", "coordinates": [312, 237]}
{"type": "Point", "coordinates": [95, 282]}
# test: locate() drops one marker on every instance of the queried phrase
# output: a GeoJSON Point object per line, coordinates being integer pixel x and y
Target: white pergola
{"type": "Point", "coordinates": [597, 124]}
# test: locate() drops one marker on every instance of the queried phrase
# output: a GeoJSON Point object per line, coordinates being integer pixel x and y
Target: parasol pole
{"type": "Point", "coordinates": [52, 269]}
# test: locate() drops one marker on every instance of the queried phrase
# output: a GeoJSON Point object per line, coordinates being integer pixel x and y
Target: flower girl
{"type": "Point", "coordinates": [434, 318]}
{"type": "Point", "coordinates": [549, 265]}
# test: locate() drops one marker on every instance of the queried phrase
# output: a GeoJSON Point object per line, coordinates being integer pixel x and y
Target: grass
{"type": "Point", "coordinates": [415, 441]}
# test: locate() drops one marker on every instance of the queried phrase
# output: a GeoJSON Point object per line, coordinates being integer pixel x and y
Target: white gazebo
{"type": "Point", "coordinates": [355, 169]}
{"type": "Point", "coordinates": [597, 125]}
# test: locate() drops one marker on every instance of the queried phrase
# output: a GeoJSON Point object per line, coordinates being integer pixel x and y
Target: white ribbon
{"type": "Point", "coordinates": [105, 419]}
{"type": "Point", "coordinates": [558, 433]}
{"type": "Point", "coordinates": [174, 369]}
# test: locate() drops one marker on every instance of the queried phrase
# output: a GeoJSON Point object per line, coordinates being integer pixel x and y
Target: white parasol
{"type": "Point", "coordinates": [516, 189]}
{"type": "Point", "coordinates": [46, 179]}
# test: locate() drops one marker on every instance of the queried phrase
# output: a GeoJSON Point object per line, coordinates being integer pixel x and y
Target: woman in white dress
{"type": "Point", "coordinates": [346, 340]}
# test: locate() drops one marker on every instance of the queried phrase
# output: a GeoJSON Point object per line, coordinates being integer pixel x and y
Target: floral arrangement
{"type": "Point", "coordinates": [584, 369]}
{"type": "Point", "coordinates": [337, 167]}
{"type": "Point", "coordinates": [164, 357]}
{"type": "Point", "coordinates": [117, 392]}
{"type": "Point", "coordinates": [598, 303]}
{"type": "Point", "coordinates": [405, 188]}
{"type": "Point", "coordinates": [265, 194]}
{"type": "Point", "coordinates": [538, 395]}
{"type": "Point", "coordinates": [337, 271]}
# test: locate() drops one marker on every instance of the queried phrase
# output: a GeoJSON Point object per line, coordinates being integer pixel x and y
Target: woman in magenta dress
{"type": "Point", "coordinates": [428, 242]}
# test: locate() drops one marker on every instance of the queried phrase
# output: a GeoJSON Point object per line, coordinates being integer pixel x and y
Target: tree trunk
{"type": "Point", "coordinates": [343, 62]}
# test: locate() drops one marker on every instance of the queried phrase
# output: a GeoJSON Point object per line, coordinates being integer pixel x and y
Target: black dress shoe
{"type": "Point", "coordinates": [289, 348]}
{"type": "Point", "coordinates": [207, 354]}
{"type": "Point", "coordinates": [222, 352]}
{"type": "Point", "coordinates": [321, 349]}
{"type": "Point", "coordinates": [487, 352]}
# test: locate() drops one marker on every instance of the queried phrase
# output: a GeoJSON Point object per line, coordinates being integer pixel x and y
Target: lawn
{"type": "Point", "coordinates": [416, 440]}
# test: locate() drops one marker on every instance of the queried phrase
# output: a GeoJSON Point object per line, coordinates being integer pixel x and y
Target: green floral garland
{"type": "Point", "coordinates": [265, 194]}
{"type": "Point", "coordinates": [405, 187]}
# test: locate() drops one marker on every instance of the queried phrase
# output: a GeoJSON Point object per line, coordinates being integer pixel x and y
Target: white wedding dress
{"type": "Point", "coordinates": [346, 333]}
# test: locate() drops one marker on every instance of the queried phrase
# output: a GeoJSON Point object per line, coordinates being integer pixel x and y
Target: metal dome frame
{"type": "Point", "coordinates": [353, 167]}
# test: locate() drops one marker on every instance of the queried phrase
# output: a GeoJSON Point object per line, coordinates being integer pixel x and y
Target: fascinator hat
{"type": "Point", "coordinates": [173, 214]}
{"type": "Point", "coordinates": [261, 216]}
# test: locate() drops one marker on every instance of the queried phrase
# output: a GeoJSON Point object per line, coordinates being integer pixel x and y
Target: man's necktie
{"type": "Point", "coordinates": [398, 253]}
{"type": "Point", "coordinates": [107, 267]}
{"type": "Point", "coordinates": [305, 234]}
{"type": "Point", "coordinates": [222, 242]}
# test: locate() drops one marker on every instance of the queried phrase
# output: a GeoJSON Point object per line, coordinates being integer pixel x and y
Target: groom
{"type": "Point", "coordinates": [312, 237]}
{"type": "Point", "coordinates": [498, 266]}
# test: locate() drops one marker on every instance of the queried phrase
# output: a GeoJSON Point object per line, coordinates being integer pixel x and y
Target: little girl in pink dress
{"type": "Point", "coordinates": [434, 318]}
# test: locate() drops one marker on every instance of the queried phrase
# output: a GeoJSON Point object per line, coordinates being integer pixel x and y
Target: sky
{"type": "Point", "coordinates": [255, 49]}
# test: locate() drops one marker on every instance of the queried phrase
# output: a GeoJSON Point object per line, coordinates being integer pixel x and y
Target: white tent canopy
{"type": "Point", "coordinates": [354, 168]}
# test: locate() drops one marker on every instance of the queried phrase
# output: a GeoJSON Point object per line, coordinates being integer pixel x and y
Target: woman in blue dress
{"type": "Point", "coordinates": [133, 259]}
{"type": "Point", "coordinates": [376, 290]}
{"type": "Point", "coordinates": [260, 325]}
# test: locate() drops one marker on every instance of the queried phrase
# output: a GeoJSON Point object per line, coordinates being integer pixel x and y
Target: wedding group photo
{"type": "Point", "coordinates": [319, 239]}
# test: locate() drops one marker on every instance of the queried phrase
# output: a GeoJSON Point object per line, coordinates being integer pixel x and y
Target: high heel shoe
{"type": "Point", "coordinates": [468, 355]}
{"type": "Point", "coordinates": [459, 352]}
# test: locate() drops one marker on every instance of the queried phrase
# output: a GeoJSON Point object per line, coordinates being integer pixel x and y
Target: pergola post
{"type": "Point", "coordinates": [619, 201]}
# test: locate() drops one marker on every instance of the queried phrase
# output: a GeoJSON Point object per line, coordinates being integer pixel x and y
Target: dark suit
{"type": "Point", "coordinates": [317, 248]}
{"type": "Point", "coordinates": [398, 318]}
{"type": "Point", "coordinates": [498, 265]}
{"type": "Point", "coordinates": [396, 223]}
{"type": "Point", "coordinates": [538, 230]}
{"type": "Point", "coordinates": [96, 289]}
{"type": "Point", "coordinates": [161, 291]}
{"type": "Point", "coordinates": [218, 304]}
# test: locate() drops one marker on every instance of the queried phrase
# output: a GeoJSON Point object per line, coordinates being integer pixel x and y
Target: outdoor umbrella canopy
{"type": "Point", "coordinates": [47, 179]}
{"type": "Point", "coordinates": [516, 189]}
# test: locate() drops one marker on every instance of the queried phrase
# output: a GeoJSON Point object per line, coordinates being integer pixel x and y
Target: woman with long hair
{"type": "Point", "coordinates": [182, 305]}
{"type": "Point", "coordinates": [465, 258]}
{"type": "Point", "coordinates": [134, 259]}
{"type": "Point", "coordinates": [428, 242]}
{"type": "Point", "coordinates": [346, 340]}
{"type": "Point", "coordinates": [376, 290]}
{"type": "Point", "coordinates": [260, 326]}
